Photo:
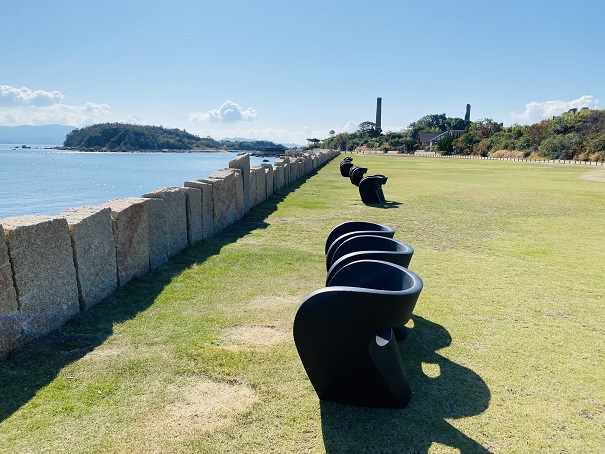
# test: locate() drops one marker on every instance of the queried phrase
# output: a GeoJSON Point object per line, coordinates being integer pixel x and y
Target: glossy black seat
{"type": "Point", "coordinates": [349, 229]}
{"type": "Point", "coordinates": [370, 188]}
{"type": "Point", "coordinates": [374, 247]}
{"type": "Point", "coordinates": [345, 166]}
{"type": "Point", "coordinates": [344, 337]}
{"type": "Point", "coordinates": [356, 174]}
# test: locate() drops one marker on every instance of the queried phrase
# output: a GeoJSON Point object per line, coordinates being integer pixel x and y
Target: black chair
{"type": "Point", "coordinates": [370, 188]}
{"type": "Point", "coordinates": [356, 174]}
{"type": "Point", "coordinates": [344, 338]}
{"type": "Point", "coordinates": [349, 229]}
{"type": "Point", "coordinates": [345, 166]}
{"type": "Point", "coordinates": [374, 247]}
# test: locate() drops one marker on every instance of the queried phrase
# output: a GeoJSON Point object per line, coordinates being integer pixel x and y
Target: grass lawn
{"type": "Point", "coordinates": [505, 355]}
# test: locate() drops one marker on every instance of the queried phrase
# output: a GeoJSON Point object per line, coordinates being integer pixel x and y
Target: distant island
{"type": "Point", "coordinates": [127, 137]}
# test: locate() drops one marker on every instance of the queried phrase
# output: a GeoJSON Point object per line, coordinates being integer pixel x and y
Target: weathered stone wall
{"type": "Point", "coordinates": [207, 207]}
{"type": "Point", "coordinates": [259, 181]}
{"type": "Point", "coordinates": [131, 235]}
{"type": "Point", "coordinates": [278, 175]}
{"type": "Point", "coordinates": [242, 162]}
{"type": "Point", "coordinates": [195, 227]}
{"type": "Point", "coordinates": [227, 197]}
{"type": "Point", "coordinates": [44, 274]}
{"type": "Point", "coordinates": [11, 335]}
{"type": "Point", "coordinates": [268, 168]}
{"type": "Point", "coordinates": [94, 252]}
{"type": "Point", "coordinates": [167, 220]}
{"type": "Point", "coordinates": [287, 179]}
{"type": "Point", "coordinates": [52, 267]}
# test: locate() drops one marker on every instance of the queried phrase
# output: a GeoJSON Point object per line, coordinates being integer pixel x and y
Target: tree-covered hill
{"type": "Point", "coordinates": [127, 137]}
{"type": "Point", "coordinates": [576, 134]}
{"type": "Point", "coordinates": [253, 145]}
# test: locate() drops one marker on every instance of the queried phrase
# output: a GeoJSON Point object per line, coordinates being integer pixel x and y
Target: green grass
{"type": "Point", "coordinates": [506, 353]}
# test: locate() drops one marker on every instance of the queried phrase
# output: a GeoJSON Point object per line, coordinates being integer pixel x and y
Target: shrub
{"type": "Point", "coordinates": [508, 154]}
{"type": "Point", "coordinates": [557, 147]}
{"type": "Point", "coordinates": [483, 147]}
{"type": "Point", "coordinates": [598, 156]}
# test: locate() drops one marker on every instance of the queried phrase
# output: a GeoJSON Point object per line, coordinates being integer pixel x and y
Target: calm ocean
{"type": "Point", "coordinates": [39, 180]}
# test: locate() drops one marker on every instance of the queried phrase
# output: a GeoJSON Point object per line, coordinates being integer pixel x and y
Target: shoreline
{"type": "Point", "coordinates": [258, 153]}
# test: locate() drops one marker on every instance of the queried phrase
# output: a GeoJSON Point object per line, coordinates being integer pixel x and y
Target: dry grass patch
{"type": "Point", "coordinates": [255, 336]}
{"type": "Point", "coordinates": [273, 301]}
{"type": "Point", "coordinates": [100, 353]}
{"type": "Point", "coordinates": [202, 407]}
{"type": "Point", "coordinates": [596, 175]}
{"type": "Point", "coordinates": [556, 314]}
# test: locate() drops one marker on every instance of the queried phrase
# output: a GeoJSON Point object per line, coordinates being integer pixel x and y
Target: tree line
{"type": "Point", "coordinates": [575, 134]}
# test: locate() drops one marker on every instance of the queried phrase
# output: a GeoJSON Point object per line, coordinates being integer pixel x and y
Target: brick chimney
{"type": "Point", "coordinates": [379, 113]}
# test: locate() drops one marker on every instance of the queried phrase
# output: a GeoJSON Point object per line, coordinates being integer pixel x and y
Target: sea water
{"type": "Point", "coordinates": [43, 180]}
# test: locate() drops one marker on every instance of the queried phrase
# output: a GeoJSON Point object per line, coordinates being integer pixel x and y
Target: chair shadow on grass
{"type": "Point", "coordinates": [386, 204]}
{"type": "Point", "coordinates": [24, 372]}
{"type": "Point", "coordinates": [447, 390]}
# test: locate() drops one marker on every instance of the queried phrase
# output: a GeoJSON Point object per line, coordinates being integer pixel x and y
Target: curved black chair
{"type": "Point", "coordinates": [349, 229]}
{"type": "Point", "coordinates": [345, 166]}
{"type": "Point", "coordinates": [370, 188]}
{"type": "Point", "coordinates": [356, 174]}
{"type": "Point", "coordinates": [344, 338]}
{"type": "Point", "coordinates": [372, 247]}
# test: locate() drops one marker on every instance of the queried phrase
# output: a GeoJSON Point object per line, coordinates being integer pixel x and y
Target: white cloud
{"type": "Point", "coordinates": [536, 111]}
{"type": "Point", "coordinates": [133, 119]}
{"type": "Point", "coordinates": [23, 106]}
{"type": "Point", "coordinates": [229, 112]}
{"type": "Point", "coordinates": [16, 97]}
{"type": "Point", "coordinates": [351, 126]}
{"type": "Point", "coordinates": [387, 129]}
{"type": "Point", "coordinates": [60, 114]}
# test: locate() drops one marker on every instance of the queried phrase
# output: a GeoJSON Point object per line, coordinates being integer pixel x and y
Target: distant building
{"type": "Point", "coordinates": [450, 133]}
{"type": "Point", "coordinates": [426, 137]}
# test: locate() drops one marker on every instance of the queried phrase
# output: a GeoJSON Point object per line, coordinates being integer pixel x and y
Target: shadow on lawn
{"type": "Point", "coordinates": [24, 372]}
{"type": "Point", "coordinates": [451, 391]}
{"type": "Point", "coordinates": [385, 204]}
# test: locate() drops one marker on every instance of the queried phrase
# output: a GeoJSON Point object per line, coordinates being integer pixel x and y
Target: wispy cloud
{"type": "Point", "coordinates": [536, 111]}
{"type": "Point", "coordinates": [229, 112]}
{"type": "Point", "coordinates": [19, 106]}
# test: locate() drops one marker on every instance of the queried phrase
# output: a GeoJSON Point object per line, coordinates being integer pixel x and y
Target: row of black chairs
{"type": "Point", "coordinates": [346, 332]}
{"type": "Point", "coordinates": [370, 187]}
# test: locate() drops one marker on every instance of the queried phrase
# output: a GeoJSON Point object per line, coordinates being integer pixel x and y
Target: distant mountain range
{"type": "Point", "coordinates": [43, 135]}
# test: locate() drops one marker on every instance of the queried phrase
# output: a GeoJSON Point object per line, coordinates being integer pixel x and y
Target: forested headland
{"type": "Point", "coordinates": [576, 134]}
{"type": "Point", "coordinates": [128, 137]}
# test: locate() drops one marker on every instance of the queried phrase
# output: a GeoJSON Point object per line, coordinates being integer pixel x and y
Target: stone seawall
{"type": "Point", "coordinates": [53, 267]}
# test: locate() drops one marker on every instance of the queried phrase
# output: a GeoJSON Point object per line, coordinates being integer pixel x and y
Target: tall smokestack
{"type": "Point", "coordinates": [379, 113]}
{"type": "Point", "coordinates": [467, 117]}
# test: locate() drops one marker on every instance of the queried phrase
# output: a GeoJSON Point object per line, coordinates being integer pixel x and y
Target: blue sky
{"type": "Point", "coordinates": [287, 71]}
